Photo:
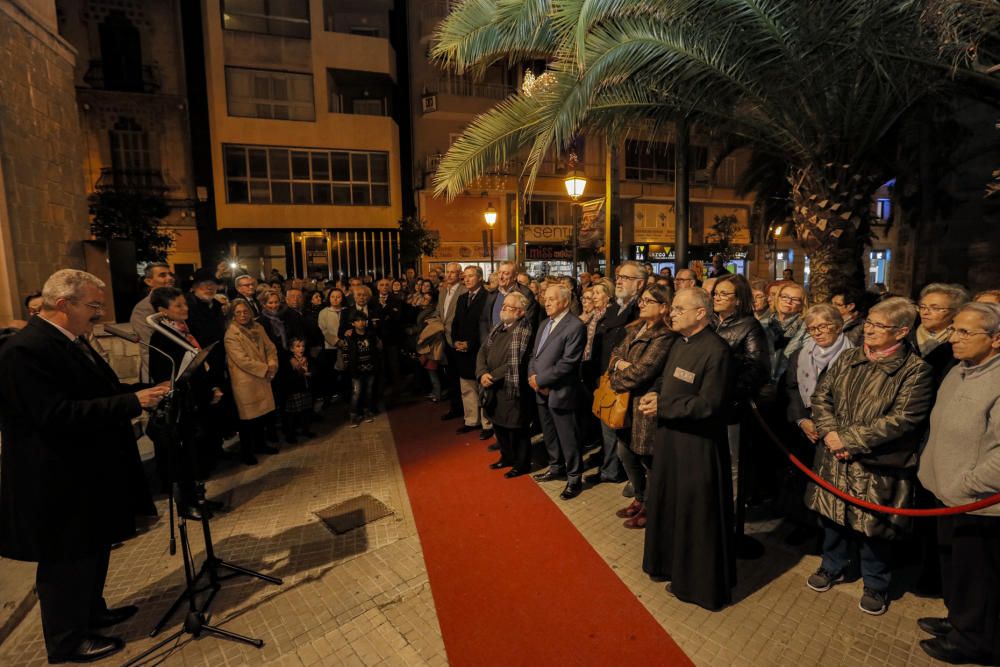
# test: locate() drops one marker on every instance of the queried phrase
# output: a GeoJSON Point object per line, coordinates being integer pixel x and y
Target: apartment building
{"type": "Point", "coordinates": [303, 143]}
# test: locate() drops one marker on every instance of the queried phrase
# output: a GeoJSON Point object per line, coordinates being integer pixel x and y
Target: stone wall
{"type": "Point", "coordinates": [44, 217]}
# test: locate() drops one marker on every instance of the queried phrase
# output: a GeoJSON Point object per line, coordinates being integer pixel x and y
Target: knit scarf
{"type": "Point", "coordinates": [874, 356]}
{"type": "Point", "coordinates": [927, 341]}
{"type": "Point", "coordinates": [595, 319]}
{"type": "Point", "coordinates": [278, 324]}
{"type": "Point", "coordinates": [520, 339]}
{"type": "Point", "coordinates": [813, 360]}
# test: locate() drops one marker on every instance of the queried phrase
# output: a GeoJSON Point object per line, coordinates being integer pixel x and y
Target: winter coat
{"type": "Point", "coordinates": [646, 352]}
{"type": "Point", "coordinates": [250, 354]}
{"type": "Point", "coordinates": [751, 365]}
{"type": "Point", "coordinates": [879, 410]}
{"type": "Point", "coordinates": [430, 341]}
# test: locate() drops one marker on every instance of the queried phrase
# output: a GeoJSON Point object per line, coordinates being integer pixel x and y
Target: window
{"type": "Point", "coordinates": [284, 18]}
{"type": "Point", "coordinates": [545, 212]}
{"type": "Point", "coordinates": [277, 175]}
{"type": "Point", "coordinates": [121, 53]}
{"type": "Point", "coordinates": [654, 161]}
{"type": "Point", "coordinates": [260, 93]}
{"type": "Point", "coordinates": [131, 159]}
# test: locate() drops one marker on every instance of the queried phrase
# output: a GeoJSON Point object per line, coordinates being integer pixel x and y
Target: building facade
{"type": "Point", "coordinates": [43, 212]}
{"type": "Point", "coordinates": [303, 143]}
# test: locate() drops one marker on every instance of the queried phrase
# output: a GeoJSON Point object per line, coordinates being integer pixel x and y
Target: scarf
{"type": "Point", "coordinates": [927, 341]}
{"type": "Point", "coordinates": [278, 326]}
{"type": "Point", "coordinates": [874, 356]}
{"type": "Point", "coordinates": [184, 331]}
{"type": "Point", "coordinates": [813, 360]}
{"type": "Point", "coordinates": [595, 319]}
{"type": "Point", "coordinates": [520, 339]}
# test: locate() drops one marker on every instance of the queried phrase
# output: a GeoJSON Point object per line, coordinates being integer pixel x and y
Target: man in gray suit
{"type": "Point", "coordinates": [554, 374]}
{"type": "Point", "coordinates": [448, 292]}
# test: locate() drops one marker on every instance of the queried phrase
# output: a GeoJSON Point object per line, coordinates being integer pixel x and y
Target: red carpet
{"type": "Point", "coordinates": [513, 581]}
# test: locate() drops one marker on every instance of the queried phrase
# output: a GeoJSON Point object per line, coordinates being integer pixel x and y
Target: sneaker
{"type": "Point", "coordinates": [369, 418]}
{"type": "Point", "coordinates": [822, 581]}
{"type": "Point", "coordinates": [874, 602]}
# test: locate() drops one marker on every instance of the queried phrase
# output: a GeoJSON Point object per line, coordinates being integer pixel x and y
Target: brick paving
{"type": "Point", "coordinates": [363, 598]}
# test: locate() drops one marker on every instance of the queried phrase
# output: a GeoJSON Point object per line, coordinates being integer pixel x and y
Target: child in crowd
{"type": "Point", "coordinates": [362, 361]}
{"type": "Point", "coordinates": [299, 401]}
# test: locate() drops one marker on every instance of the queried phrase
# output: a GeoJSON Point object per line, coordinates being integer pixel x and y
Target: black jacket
{"type": "Point", "coordinates": [71, 480]}
{"type": "Point", "coordinates": [391, 325]}
{"type": "Point", "coordinates": [611, 331]}
{"type": "Point", "coordinates": [751, 363]}
{"type": "Point", "coordinates": [465, 327]}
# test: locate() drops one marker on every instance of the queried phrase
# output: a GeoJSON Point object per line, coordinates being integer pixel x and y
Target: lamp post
{"type": "Point", "coordinates": [576, 182]}
{"type": "Point", "coordinates": [773, 242]}
{"type": "Point", "coordinates": [490, 215]}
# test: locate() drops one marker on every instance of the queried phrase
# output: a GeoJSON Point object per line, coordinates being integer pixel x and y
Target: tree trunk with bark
{"type": "Point", "coordinates": [832, 217]}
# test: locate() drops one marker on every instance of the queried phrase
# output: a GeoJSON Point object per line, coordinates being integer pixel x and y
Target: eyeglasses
{"type": "Point", "coordinates": [723, 295]}
{"type": "Point", "coordinates": [511, 308]}
{"type": "Point", "coordinates": [622, 276]}
{"type": "Point", "coordinates": [925, 308]}
{"type": "Point", "coordinates": [868, 324]}
{"type": "Point", "coordinates": [965, 334]}
{"type": "Point", "coordinates": [791, 299]}
{"type": "Point", "coordinates": [96, 307]}
{"type": "Point", "coordinates": [678, 310]}
{"type": "Point", "coordinates": [826, 327]}
{"type": "Point", "coordinates": [645, 301]}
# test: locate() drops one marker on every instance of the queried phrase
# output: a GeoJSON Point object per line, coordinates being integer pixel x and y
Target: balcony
{"type": "Point", "coordinates": [462, 87]}
{"type": "Point", "coordinates": [131, 180]}
{"type": "Point", "coordinates": [368, 18]}
{"type": "Point", "coordinates": [125, 77]}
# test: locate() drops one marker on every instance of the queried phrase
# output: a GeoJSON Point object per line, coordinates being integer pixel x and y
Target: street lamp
{"type": "Point", "coordinates": [490, 215]}
{"type": "Point", "coordinates": [773, 242]}
{"type": "Point", "coordinates": [575, 182]}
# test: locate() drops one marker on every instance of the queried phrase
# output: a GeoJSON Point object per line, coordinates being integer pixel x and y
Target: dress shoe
{"type": "Point", "coordinates": [451, 414]}
{"type": "Point", "coordinates": [630, 511]}
{"type": "Point", "coordinates": [89, 649]}
{"type": "Point", "coordinates": [465, 428]}
{"type": "Point", "coordinates": [486, 434]}
{"type": "Point", "coordinates": [571, 491]}
{"type": "Point", "coordinates": [248, 459]}
{"type": "Point", "coordinates": [192, 512]}
{"type": "Point", "coordinates": [496, 465]}
{"type": "Point", "coordinates": [939, 627]}
{"type": "Point", "coordinates": [636, 521]}
{"type": "Point", "coordinates": [549, 476]}
{"type": "Point", "coordinates": [267, 449]}
{"type": "Point", "coordinates": [944, 650]}
{"type": "Point", "coordinates": [213, 504]}
{"type": "Point", "coordinates": [493, 447]}
{"type": "Point", "coordinates": [514, 472]}
{"type": "Point", "coordinates": [109, 617]}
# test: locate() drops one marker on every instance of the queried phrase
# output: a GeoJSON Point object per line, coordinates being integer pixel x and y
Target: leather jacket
{"type": "Point", "coordinates": [751, 360]}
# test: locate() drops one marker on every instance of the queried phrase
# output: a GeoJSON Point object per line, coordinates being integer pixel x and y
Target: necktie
{"type": "Point", "coordinates": [545, 334]}
{"type": "Point", "coordinates": [85, 348]}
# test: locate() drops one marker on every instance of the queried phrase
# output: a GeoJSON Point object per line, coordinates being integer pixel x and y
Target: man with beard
{"type": "Point", "coordinates": [629, 283]}
{"type": "Point", "coordinates": [689, 502]}
{"type": "Point", "coordinates": [72, 481]}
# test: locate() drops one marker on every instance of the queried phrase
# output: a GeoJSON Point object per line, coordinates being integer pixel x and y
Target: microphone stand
{"type": "Point", "coordinates": [195, 621]}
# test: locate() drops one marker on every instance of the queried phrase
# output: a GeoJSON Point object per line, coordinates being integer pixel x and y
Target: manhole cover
{"type": "Point", "coordinates": [353, 513]}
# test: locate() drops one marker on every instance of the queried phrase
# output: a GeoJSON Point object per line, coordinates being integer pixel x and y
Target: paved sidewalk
{"type": "Point", "coordinates": [361, 598]}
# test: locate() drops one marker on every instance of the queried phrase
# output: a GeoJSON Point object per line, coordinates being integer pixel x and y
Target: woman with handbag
{"type": "Point", "coordinates": [869, 410]}
{"type": "Point", "coordinates": [635, 365]}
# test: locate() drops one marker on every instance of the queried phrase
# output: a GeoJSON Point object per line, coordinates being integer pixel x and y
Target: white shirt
{"type": "Point", "coordinates": [557, 319]}
{"type": "Point", "coordinates": [64, 332]}
{"type": "Point", "coordinates": [448, 297]}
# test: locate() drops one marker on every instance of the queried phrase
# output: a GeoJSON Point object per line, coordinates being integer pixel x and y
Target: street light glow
{"type": "Point", "coordinates": [490, 215]}
{"type": "Point", "coordinates": [575, 184]}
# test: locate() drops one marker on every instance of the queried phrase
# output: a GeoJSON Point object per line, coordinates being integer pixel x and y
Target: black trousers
{"type": "Point", "coordinates": [451, 381]}
{"type": "Point", "coordinates": [515, 447]}
{"type": "Point", "coordinates": [562, 441]}
{"type": "Point", "coordinates": [969, 547]}
{"type": "Point", "coordinates": [70, 594]}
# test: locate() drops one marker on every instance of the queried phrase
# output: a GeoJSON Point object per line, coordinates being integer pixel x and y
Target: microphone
{"type": "Point", "coordinates": [118, 332]}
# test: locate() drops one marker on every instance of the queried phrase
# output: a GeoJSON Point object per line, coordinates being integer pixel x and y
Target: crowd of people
{"type": "Point", "coordinates": [889, 400]}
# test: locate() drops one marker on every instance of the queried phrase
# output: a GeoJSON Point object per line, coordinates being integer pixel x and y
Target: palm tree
{"type": "Point", "coordinates": [818, 86]}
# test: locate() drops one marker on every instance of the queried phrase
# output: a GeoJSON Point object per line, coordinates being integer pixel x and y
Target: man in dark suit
{"type": "Point", "coordinates": [506, 283]}
{"type": "Point", "coordinates": [246, 288]}
{"type": "Point", "coordinates": [629, 283]}
{"type": "Point", "coordinates": [392, 330]}
{"type": "Point", "coordinates": [466, 339]}
{"type": "Point", "coordinates": [72, 481]}
{"type": "Point", "coordinates": [554, 374]}
{"type": "Point", "coordinates": [448, 292]}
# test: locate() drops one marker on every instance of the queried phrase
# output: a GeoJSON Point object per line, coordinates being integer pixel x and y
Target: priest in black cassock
{"type": "Point", "coordinates": [689, 503]}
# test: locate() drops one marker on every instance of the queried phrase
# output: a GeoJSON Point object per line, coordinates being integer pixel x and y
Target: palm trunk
{"type": "Point", "coordinates": [832, 215]}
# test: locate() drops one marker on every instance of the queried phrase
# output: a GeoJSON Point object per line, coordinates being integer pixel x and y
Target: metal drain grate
{"type": "Point", "coordinates": [353, 513]}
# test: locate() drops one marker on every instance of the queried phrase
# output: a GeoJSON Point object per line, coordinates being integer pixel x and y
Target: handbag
{"type": "Point", "coordinates": [610, 407]}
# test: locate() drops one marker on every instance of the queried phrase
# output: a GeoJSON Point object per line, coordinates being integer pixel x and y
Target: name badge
{"type": "Point", "coordinates": [686, 376]}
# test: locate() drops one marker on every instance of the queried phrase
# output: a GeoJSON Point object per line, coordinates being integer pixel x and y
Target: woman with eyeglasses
{"type": "Point", "coordinates": [869, 410]}
{"type": "Point", "coordinates": [938, 305]}
{"type": "Point", "coordinates": [732, 301]}
{"type": "Point", "coordinates": [636, 364]}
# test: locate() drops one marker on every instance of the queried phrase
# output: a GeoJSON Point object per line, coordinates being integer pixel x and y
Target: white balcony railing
{"type": "Point", "coordinates": [449, 85]}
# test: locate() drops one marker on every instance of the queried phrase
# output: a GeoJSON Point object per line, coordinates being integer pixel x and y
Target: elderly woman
{"type": "Point", "coordinates": [939, 302]}
{"type": "Point", "coordinates": [869, 409]}
{"type": "Point", "coordinates": [253, 362]}
{"type": "Point", "coordinates": [636, 364]}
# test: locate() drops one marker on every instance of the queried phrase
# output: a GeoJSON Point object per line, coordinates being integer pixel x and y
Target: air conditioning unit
{"type": "Point", "coordinates": [429, 103]}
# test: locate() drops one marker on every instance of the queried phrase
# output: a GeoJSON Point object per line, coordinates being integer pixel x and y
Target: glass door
{"type": "Point", "coordinates": [312, 255]}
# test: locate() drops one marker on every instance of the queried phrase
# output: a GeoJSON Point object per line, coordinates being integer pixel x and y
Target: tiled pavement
{"type": "Point", "coordinates": [363, 598]}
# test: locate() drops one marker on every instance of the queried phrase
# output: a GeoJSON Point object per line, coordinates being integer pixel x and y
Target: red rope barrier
{"type": "Point", "coordinates": [940, 511]}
